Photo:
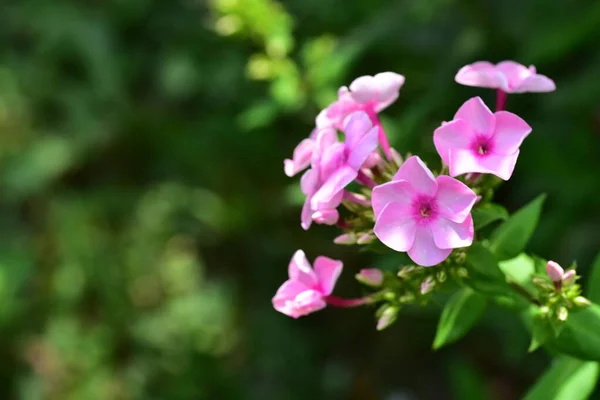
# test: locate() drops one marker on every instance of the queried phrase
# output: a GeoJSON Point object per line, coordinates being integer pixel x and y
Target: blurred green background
{"type": "Point", "coordinates": [145, 220]}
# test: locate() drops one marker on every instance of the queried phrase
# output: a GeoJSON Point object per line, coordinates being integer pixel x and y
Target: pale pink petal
{"type": "Point", "coordinates": [454, 134]}
{"type": "Point", "coordinates": [510, 132]}
{"type": "Point", "coordinates": [309, 181]}
{"type": "Point", "coordinates": [389, 87]}
{"type": "Point", "coordinates": [364, 89]}
{"type": "Point", "coordinates": [325, 139]}
{"type": "Point", "coordinates": [451, 235]}
{"type": "Point", "coordinates": [300, 270]}
{"type": "Point", "coordinates": [301, 159]}
{"type": "Point", "coordinates": [465, 161]}
{"type": "Point", "coordinates": [295, 300]}
{"type": "Point", "coordinates": [555, 271]}
{"type": "Point", "coordinates": [395, 228]}
{"type": "Point", "coordinates": [324, 121]}
{"type": "Point", "coordinates": [330, 161]}
{"type": "Point", "coordinates": [363, 149]}
{"type": "Point", "coordinates": [514, 73]}
{"type": "Point", "coordinates": [328, 272]}
{"type": "Point", "coordinates": [480, 74]}
{"type": "Point", "coordinates": [356, 125]}
{"type": "Point", "coordinates": [424, 251]}
{"type": "Point", "coordinates": [454, 199]}
{"type": "Point", "coordinates": [306, 215]}
{"type": "Point", "coordinates": [418, 175]}
{"type": "Point", "coordinates": [326, 216]}
{"type": "Point", "coordinates": [374, 160]}
{"type": "Point", "coordinates": [333, 186]}
{"type": "Point", "coordinates": [536, 83]}
{"type": "Point", "coordinates": [478, 116]}
{"type": "Point", "coordinates": [398, 192]}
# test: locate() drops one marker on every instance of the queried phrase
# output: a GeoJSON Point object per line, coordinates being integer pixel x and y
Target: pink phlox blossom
{"type": "Point", "coordinates": [423, 215]}
{"type": "Point", "coordinates": [509, 76]}
{"type": "Point", "coordinates": [302, 155]}
{"type": "Point", "coordinates": [306, 289]}
{"type": "Point", "coordinates": [479, 141]}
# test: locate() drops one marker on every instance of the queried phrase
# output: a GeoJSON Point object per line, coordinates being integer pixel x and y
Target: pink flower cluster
{"type": "Point", "coordinates": [411, 210]}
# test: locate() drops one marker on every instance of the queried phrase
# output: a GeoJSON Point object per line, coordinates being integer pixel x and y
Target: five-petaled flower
{"type": "Point", "coordinates": [335, 165]}
{"type": "Point", "coordinates": [306, 289]}
{"type": "Point", "coordinates": [508, 76]}
{"type": "Point", "coordinates": [423, 215]}
{"type": "Point", "coordinates": [478, 140]}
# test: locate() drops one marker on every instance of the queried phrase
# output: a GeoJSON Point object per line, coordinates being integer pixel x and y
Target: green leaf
{"type": "Point", "coordinates": [481, 263]}
{"type": "Point", "coordinates": [519, 269]}
{"type": "Point", "coordinates": [566, 379]}
{"type": "Point", "coordinates": [511, 237]}
{"type": "Point", "coordinates": [487, 213]}
{"type": "Point", "coordinates": [460, 314]}
{"type": "Point", "coordinates": [593, 283]}
{"type": "Point", "coordinates": [580, 337]}
{"type": "Point", "coordinates": [541, 330]}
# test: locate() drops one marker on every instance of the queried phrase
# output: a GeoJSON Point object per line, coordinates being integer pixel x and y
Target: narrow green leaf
{"type": "Point", "coordinates": [487, 213]}
{"type": "Point", "coordinates": [580, 337]}
{"type": "Point", "coordinates": [566, 379]}
{"type": "Point", "coordinates": [593, 283]}
{"type": "Point", "coordinates": [482, 263]}
{"type": "Point", "coordinates": [511, 237]}
{"type": "Point", "coordinates": [519, 269]}
{"type": "Point", "coordinates": [460, 314]}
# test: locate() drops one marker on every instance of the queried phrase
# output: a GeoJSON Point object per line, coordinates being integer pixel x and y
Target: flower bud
{"type": "Point", "coordinates": [345, 239]}
{"type": "Point", "coordinates": [581, 301]}
{"type": "Point", "coordinates": [396, 157]}
{"type": "Point", "coordinates": [326, 217]}
{"type": "Point", "coordinates": [365, 239]}
{"type": "Point", "coordinates": [569, 277]}
{"type": "Point", "coordinates": [554, 271]}
{"type": "Point", "coordinates": [427, 285]}
{"type": "Point", "coordinates": [388, 316]}
{"type": "Point", "coordinates": [562, 314]}
{"type": "Point", "coordinates": [370, 276]}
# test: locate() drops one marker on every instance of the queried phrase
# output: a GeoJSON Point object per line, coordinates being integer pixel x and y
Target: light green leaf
{"type": "Point", "coordinates": [566, 379]}
{"type": "Point", "coordinates": [487, 213]}
{"type": "Point", "coordinates": [510, 238]}
{"type": "Point", "coordinates": [580, 337]}
{"type": "Point", "coordinates": [593, 283]}
{"type": "Point", "coordinates": [519, 269]}
{"type": "Point", "coordinates": [460, 314]}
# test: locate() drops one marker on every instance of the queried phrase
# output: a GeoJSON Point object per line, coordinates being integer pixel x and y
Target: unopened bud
{"type": "Point", "coordinates": [554, 271]}
{"type": "Point", "coordinates": [396, 157]}
{"type": "Point", "coordinates": [544, 311]}
{"type": "Point", "coordinates": [427, 285]}
{"type": "Point", "coordinates": [326, 217]}
{"type": "Point", "coordinates": [373, 160]}
{"type": "Point", "coordinates": [345, 239]}
{"type": "Point", "coordinates": [405, 272]}
{"type": "Point", "coordinates": [581, 301]}
{"type": "Point", "coordinates": [366, 238]}
{"type": "Point", "coordinates": [569, 277]}
{"type": "Point", "coordinates": [388, 316]}
{"type": "Point", "coordinates": [441, 276]}
{"type": "Point", "coordinates": [407, 298]}
{"type": "Point", "coordinates": [562, 314]}
{"type": "Point", "coordinates": [370, 276]}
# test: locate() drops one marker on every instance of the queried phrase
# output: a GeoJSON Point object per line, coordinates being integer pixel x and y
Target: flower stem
{"type": "Point", "coordinates": [383, 140]}
{"type": "Point", "coordinates": [501, 97]}
{"type": "Point", "coordinates": [340, 302]}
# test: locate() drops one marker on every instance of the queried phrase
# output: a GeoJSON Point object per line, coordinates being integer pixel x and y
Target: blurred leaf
{"type": "Point", "coordinates": [510, 238]}
{"type": "Point", "coordinates": [467, 381]}
{"type": "Point", "coordinates": [487, 213]}
{"type": "Point", "coordinates": [593, 282]}
{"type": "Point", "coordinates": [459, 315]}
{"type": "Point", "coordinates": [580, 337]}
{"type": "Point", "coordinates": [566, 379]}
{"type": "Point", "coordinates": [519, 269]}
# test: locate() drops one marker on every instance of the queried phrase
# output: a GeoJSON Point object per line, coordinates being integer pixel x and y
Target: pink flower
{"type": "Point", "coordinates": [301, 157]}
{"type": "Point", "coordinates": [334, 165]}
{"type": "Point", "coordinates": [557, 274]}
{"type": "Point", "coordinates": [508, 76]}
{"type": "Point", "coordinates": [367, 93]}
{"type": "Point", "coordinates": [423, 215]}
{"type": "Point", "coordinates": [479, 141]}
{"type": "Point", "coordinates": [306, 289]}
{"type": "Point", "coordinates": [370, 276]}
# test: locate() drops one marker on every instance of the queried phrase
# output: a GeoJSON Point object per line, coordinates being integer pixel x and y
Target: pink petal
{"type": "Point", "coordinates": [510, 132]}
{"type": "Point", "coordinates": [309, 181]}
{"type": "Point", "coordinates": [331, 160]}
{"type": "Point", "coordinates": [454, 134]}
{"type": "Point", "coordinates": [326, 216]}
{"type": "Point", "coordinates": [333, 186]}
{"type": "Point", "coordinates": [306, 215]}
{"type": "Point", "coordinates": [363, 149]}
{"type": "Point", "coordinates": [395, 228]}
{"type": "Point", "coordinates": [454, 199]}
{"type": "Point", "coordinates": [418, 175]}
{"type": "Point", "coordinates": [325, 139]}
{"type": "Point", "coordinates": [328, 272]}
{"type": "Point", "coordinates": [364, 89]}
{"type": "Point", "coordinates": [480, 74]}
{"type": "Point", "coordinates": [356, 125]}
{"type": "Point", "coordinates": [397, 192]}
{"type": "Point", "coordinates": [301, 271]}
{"type": "Point", "coordinates": [295, 300]}
{"type": "Point", "coordinates": [452, 235]}
{"type": "Point", "coordinates": [389, 85]}
{"type": "Point", "coordinates": [478, 115]}
{"type": "Point", "coordinates": [424, 251]}
{"type": "Point", "coordinates": [555, 271]}
{"type": "Point", "coordinates": [536, 83]}
{"type": "Point", "coordinates": [301, 159]}
{"type": "Point", "coordinates": [514, 73]}
{"type": "Point", "coordinates": [465, 161]}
